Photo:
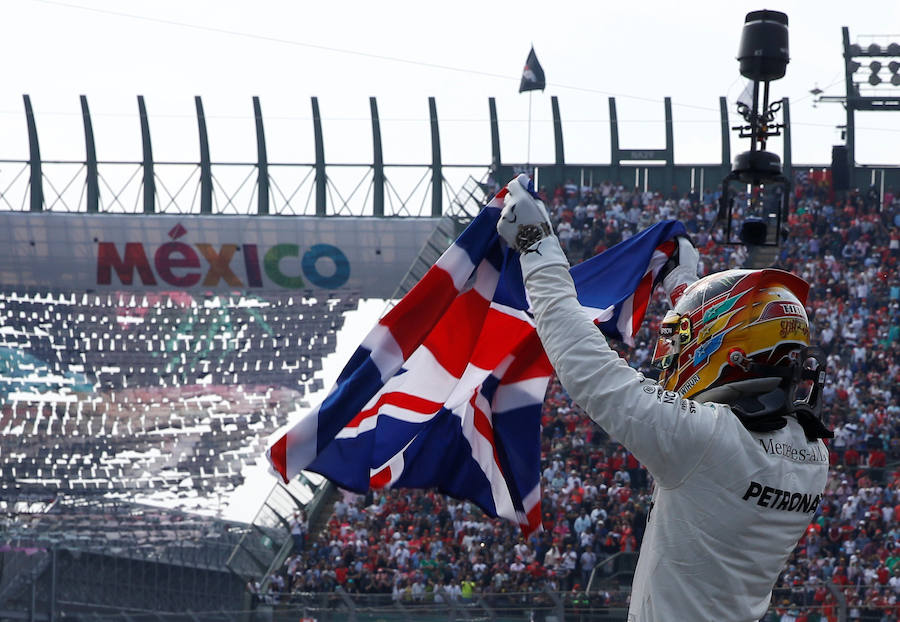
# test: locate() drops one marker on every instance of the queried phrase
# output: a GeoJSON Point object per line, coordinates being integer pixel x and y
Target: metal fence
{"type": "Point", "coordinates": [266, 541]}
{"type": "Point", "coordinates": [548, 606]}
{"type": "Point", "coordinates": [328, 188]}
{"type": "Point", "coordinates": [827, 601]}
{"type": "Point", "coordinates": [841, 604]}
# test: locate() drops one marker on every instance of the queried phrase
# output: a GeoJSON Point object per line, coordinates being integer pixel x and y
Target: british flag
{"type": "Point", "coordinates": [446, 391]}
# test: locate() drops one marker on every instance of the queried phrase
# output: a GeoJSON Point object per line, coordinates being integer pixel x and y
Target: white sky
{"type": "Point", "coordinates": [287, 51]}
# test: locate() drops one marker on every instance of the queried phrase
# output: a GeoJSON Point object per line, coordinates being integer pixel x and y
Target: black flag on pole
{"type": "Point", "coordinates": [533, 74]}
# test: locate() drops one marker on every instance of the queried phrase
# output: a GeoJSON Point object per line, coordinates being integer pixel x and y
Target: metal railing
{"type": "Point", "coordinates": [233, 190]}
{"type": "Point", "coordinates": [266, 541]}
{"type": "Point", "coordinates": [842, 604]}
{"type": "Point", "coordinates": [438, 605]}
{"type": "Point", "coordinates": [317, 188]}
{"type": "Point", "coordinates": [546, 605]}
{"type": "Point", "coordinates": [615, 569]}
{"type": "Point", "coordinates": [19, 566]}
{"type": "Point", "coordinates": [324, 188]}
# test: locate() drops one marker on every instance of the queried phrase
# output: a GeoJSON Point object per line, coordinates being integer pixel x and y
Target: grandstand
{"type": "Point", "coordinates": [118, 393]}
{"type": "Point", "coordinates": [115, 401]}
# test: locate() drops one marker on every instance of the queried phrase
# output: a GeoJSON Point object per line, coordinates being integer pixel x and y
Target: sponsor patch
{"type": "Point", "coordinates": [778, 499]}
{"type": "Point", "coordinates": [812, 453]}
{"type": "Point", "coordinates": [666, 397]}
{"type": "Point", "coordinates": [778, 309]}
{"type": "Point", "coordinates": [793, 328]}
{"type": "Point", "coordinates": [690, 384]}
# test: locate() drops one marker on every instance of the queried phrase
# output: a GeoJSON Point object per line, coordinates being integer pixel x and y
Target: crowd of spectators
{"type": "Point", "coordinates": [847, 247]}
{"type": "Point", "coordinates": [588, 220]}
{"type": "Point", "coordinates": [419, 546]}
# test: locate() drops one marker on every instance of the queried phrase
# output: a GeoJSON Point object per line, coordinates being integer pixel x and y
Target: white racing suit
{"type": "Point", "coordinates": [728, 505]}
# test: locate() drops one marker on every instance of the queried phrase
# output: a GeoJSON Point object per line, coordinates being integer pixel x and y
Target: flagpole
{"type": "Point", "coordinates": [532, 79]}
{"type": "Point", "coordinates": [528, 159]}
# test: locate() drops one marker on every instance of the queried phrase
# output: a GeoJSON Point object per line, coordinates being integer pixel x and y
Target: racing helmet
{"type": "Point", "coordinates": [742, 337]}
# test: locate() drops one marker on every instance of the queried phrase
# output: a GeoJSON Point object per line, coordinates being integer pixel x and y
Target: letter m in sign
{"type": "Point", "coordinates": [135, 259]}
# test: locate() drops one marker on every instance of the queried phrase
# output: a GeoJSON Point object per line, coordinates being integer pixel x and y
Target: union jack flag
{"type": "Point", "coordinates": [446, 390]}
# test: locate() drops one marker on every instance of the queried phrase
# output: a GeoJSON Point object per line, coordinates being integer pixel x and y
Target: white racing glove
{"type": "Point", "coordinates": [681, 269]}
{"type": "Point", "coordinates": [523, 222]}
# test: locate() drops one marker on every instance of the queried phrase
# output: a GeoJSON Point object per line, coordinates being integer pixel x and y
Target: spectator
{"type": "Point", "coordinates": [298, 530]}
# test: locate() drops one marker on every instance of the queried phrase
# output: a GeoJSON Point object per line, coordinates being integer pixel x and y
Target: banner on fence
{"type": "Point", "coordinates": [115, 252]}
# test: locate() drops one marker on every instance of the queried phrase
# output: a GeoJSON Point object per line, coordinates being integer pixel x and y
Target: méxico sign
{"type": "Point", "coordinates": [100, 252]}
{"type": "Point", "coordinates": [179, 264]}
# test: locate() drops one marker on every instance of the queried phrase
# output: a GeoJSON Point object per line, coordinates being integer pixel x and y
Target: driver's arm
{"type": "Point", "coordinates": [669, 435]}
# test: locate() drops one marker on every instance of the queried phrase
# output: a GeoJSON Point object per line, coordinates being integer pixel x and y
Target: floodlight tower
{"type": "Point", "coordinates": [875, 93]}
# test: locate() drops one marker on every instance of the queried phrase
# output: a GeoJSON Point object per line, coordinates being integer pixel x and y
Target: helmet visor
{"type": "Point", "coordinates": [669, 343]}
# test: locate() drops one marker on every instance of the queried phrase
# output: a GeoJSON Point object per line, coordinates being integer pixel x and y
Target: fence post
{"type": "Point", "coordinates": [147, 159]}
{"type": "Point", "coordinates": [787, 165]}
{"type": "Point", "coordinates": [726, 137]}
{"type": "Point", "coordinates": [90, 152]}
{"type": "Point", "coordinates": [437, 173]}
{"type": "Point", "coordinates": [614, 140]}
{"type": "Point", "coordinates": [557, 132]}
{"type": "Point", "coordinates": [841, 601]}
{"type": "Point", "coordinates": [495, 132]}
{"type": "Point", "coordinates": [484, 605]}
{"type": "Point", "coordinates": [321, 176]}
{"type": "Point", "coordinates": [262, 161]}
{"type": "Point", "coordinates": [558, 604]}
{"type": "Point", "coordinates": [206, 187]}
{"type": "Point", "coordinates": [351, 606]}
{"type": "Point", "coordinates": [377, 161]}
{"type": "Point", "coordinates": [36, 183]}
{"type": "Point", "coordinates": [670, 144]}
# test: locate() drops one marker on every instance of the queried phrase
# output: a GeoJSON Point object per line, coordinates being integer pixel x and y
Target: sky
{"type": "Point", "coordinates": [402, 52]}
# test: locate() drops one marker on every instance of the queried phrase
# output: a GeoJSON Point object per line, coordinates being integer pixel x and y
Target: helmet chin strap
{"type": "Point", "coordinates": [766, 412]}
{"type": "Point", "coordinates": [764, 408]}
